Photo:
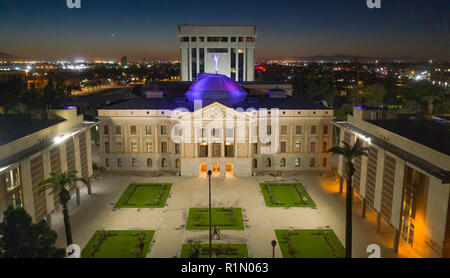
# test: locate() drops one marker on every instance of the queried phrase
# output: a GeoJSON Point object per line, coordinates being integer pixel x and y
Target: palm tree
{"type": "Point", "coordinates": [349, 153]}
{"type": "Point", "coordinates": [57, 183]}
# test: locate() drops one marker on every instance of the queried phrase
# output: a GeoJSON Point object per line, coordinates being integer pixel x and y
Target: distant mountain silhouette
{"type": "Point", "coordinates": [352, 58]}
{"type": "Point", "coordinates": [8, 57]}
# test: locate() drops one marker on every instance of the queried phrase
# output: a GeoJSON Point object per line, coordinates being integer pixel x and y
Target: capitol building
{"type": "Point", "coordinates": [215, 125]}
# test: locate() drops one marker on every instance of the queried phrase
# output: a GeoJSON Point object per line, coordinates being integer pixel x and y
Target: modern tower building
{"type": "Point", "coordinates": [226, 50]}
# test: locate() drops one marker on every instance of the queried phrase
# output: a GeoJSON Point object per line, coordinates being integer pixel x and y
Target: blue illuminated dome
{"type": "Point", "coordinates": [215, 86]}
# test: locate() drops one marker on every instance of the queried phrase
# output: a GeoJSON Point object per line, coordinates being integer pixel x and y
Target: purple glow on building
{"type": "Point", "coordinates": [215, 86]}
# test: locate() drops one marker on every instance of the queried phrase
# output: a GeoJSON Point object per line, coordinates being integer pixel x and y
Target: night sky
{"type": "Point", "coordinates": [110, 29]}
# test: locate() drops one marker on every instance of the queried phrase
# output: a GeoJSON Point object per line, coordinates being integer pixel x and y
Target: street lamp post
{"type": "Point", "coordinates": [210, 227]}
{"type": "Point", "coordinates": [274, 244]}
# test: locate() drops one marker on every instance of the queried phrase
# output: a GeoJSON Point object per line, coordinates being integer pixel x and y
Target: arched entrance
{"type": "Point", "coordinates": [216, 169]}
{"type": "Point", "coordinates": [203, 170]}
{"type": "Point", "coordinates": [229, 170]}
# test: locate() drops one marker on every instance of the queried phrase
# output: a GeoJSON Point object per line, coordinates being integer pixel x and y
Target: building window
{"type": "Point", "coordinates": [149, 162]}
{"type": "Point", "coordinates": [283, 162]}
{"type": "Point", "coordinates": [229, 150]}
{"type": "Point", "coordinates": [298, 162]}
{"type": "Point", "coordinates": [283, 147]}
{"type": "Point", "coordinates": [230, 132]}
{"type": "Point", "coordinates": [255, 163]}
{"type": "Point", "coordinates": [106, 147]}
{"type": "Point", "coordinates": [119, 147]}
{"type": "Point", "coordinates": [325, 130]}
{"type": "Point", "coordinates": [163, 147]}
{"type": "Point", "coordinates": [313, 130]}
{"type": "Point", "coordinates": [134, 162]}
{"type": "Point", "coordinates": [217, 39]}
{"type": "Point", "coordinates": [312, 148]}
{"type": "Point", "coordinates": [203, 150]}
{"type": "Point", "coordinates": [216, 133]}
{"type": "Point", "coordinates": [118, 130]}
{"type": "Point", "coordinates": [134, 147]}
{"type": "Point", "coordinates": [119, 163]}
{"type": "Point", "coordinates": [164, 163]}
{"type": "Point", "coordinates": [216, 150]}
{"type": "Point", "coordinates": [241, 39]}
{"type": "Point", "coordinates": [133, 130]}
{"type": "Point", "coordinates": [177, 163]}
{"type": "Point", "coordinates": [106, 130]}
{"type": "Point", "coordinates": [268, 162]}
{"type": "Point", "coordinates": [250, 39]}
{"type": "Point", "coordinates": [194, 63]}
{"type": "Point", "coordinates": [312, 162]}
{"type": "Point", "coordinates": [149, 146]}
{"type": "Point", "coordinates": [184, 39]}
{"type": "Point", "coordinates": [177, 148]}
{"type": "Point", "coordinates": [298, 146]}
{"type": "Point", "coordinates": [106, 162]}
{"type": "Point", "coordinates": [202, 59]}
{"type": "Point", "coordinates": [255, 148]}
{"type": "Point", "coordinates": [163, 130]}
{"type": "Point", "coordinates": [324, 163]}
{"type": "Point", "coordinates": [325, 147]}
{"type": "Point", "coordinates": [12, 179]}
{"type": "Point", "coordinates": [148, 129]}
{"type": "Point", "coordinates": [193, 39]}
{"type": "Point", "coordinates": [283, 129]}
{"type": "Point", "coordinates": [298, 129]}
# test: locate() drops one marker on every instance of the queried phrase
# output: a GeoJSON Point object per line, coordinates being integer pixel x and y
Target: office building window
{"type": "Point", "coordinates": [241, 65]}
{"type": "Point", "coordinates": [163, 130]}
{"type": "Point", "coordinates": [148, 129]}
{"type": "Point", "coordinates": [268, 162]}
{"type": "Point", "coordinates": [118, 130]}
{"type": "Point", "coordinates": [184, 39]}
{"type": "Point", "coordinates": [177, 148]}
{"type": "Point", "coordinates": [325, 147]}
{"type": "Point", "coordinates": [255, 148]}
{"type": "Point", "coordinates": [149, 147]}
{"type": "Point", "coordinates": [325, 130]}
{"type": "Point", "coordinates": [298, 129]}
{"type": "Point", "coordinates": [233, 63]}
{"type": "Point", "coordinates": [298, 162]}
{"type": "Point", "coordinates": [312, 148]}
{"type": "Point", "coordinates": [194, 63]}
{"type": "Point", "coordinates": [134, 162]}
{"type": "Point", "coordinates": [106, 162]}
{"type": "Point", "coordinates": [149, 162]}
{"type": "Point", "coordinates": [283, 129]}
{"type": "Point", "coordinates": [164, 163]}
{"type": "Point", "coordinates": [324, 163]}
{"type": "Point", "coordinates": [255, 163]}
{"type": "Point", "coordinates": [163, 147]}
{"type": "Point", "coordinates": [217, 39]}
{"type": "Point", "coordinates": [119, 147]}
{"type": "Point", "coordinates": [283, 147]}
{"type": "Point", "coordinates": [134, 147]}
{"type": "Point", "coordinates": [106, 130]}
{"type": "Point", "coordinates": [106, 147]}
{"type": "Point", "coordinates": [193, 39]}
{"type": "Point", "coordinates": [133, 130]}
{"type": "Point", "coordinates": [202, 59]}
{"type": "Point", "coordinates": [313, 130]}
{"type": "Point", "coordinates": [119, 163]}
{"type": "Point", "coordinates": [283, 162]}
{"type": "Point", "coordinates": [177, 163]}
{"type": "Point", "coordinates": [312, 163]}
{"type": "Point", "coordinates": [298, 146]}
{"type": "Point", "coordinates": [241, 39]}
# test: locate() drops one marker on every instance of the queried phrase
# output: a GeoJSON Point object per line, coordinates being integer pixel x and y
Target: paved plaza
{"type": "Point", "coordinates": [97, 212]}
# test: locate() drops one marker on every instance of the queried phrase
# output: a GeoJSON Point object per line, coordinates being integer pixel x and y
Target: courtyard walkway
{"type": "Point", "coordinates": [97, 212]}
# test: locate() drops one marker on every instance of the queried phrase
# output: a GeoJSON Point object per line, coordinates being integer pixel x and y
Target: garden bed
{"type": "Point", "coordinates": [286, 195]}
{"type": "Point", "coordinates": [144, 195]}
{"type": "Point", "coordinates": [224, 218]}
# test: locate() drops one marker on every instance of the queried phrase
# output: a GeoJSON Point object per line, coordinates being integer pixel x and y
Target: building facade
{"type": "Point", "coordinates": [405, 178]}
{"type": "Point", "coordinates": [216, 125]}
{"type": "Point", "coordinates": [227, 50]}
{"type": "Point", "coordinates": [31, 149]}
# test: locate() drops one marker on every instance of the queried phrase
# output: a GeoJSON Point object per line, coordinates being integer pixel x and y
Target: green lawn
{"type": "Point", "coordinates": [310, 244]}
{"type": "Point", "coordinates": [225, 218]}
{"type": "Point", "coordinates": [118, 244]}
{"type": "Point", "coordinates": [147, 195]}
{"type": "Point", "coordinates": [221, 250]}
{"type": "Point", "coordinates": [286, 195]}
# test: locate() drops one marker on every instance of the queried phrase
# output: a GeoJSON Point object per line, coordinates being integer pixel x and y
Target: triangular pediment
{"type": "Point", "coordinates": [216, 111]}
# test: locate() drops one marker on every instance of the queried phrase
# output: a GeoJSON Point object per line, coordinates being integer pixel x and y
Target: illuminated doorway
{"type": "Point", "coordinates": [203, 170]}
{"type": "Point", "coordinates": [216, 169]}
{"type": "Point", "coordinates": [229, 170]}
